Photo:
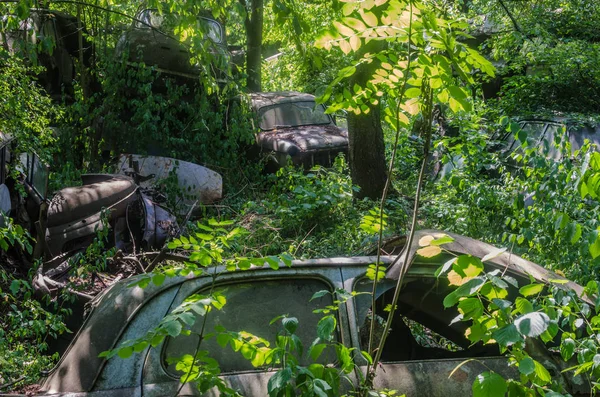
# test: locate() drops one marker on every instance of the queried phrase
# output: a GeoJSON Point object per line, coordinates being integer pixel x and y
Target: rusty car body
{"type": "Point", "coordinates": [50, 39]}
{"type": "Point", "coordinates": [151, 41]}
{"type": "Point", "coordinates": [256, 296]}
{"type": "Point", "coordinates": [291, 124]}
{"type": "Point", "coordinates": [67, 222]}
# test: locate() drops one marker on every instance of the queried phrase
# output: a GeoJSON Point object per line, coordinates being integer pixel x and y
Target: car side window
{"type": "Point", "coordinates": [250, 307]}
{"type": "Point", "coordinates": [549, 142]}
{"type": "Point", "coordinates": [421, 326]}
{"type": "Point", "coordinates": [535, 132]}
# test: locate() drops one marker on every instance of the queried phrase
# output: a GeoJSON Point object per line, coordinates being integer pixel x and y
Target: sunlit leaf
{"type": "Point", "coordinates": [430, 251]}
{"type": "Point", "coordinates": [531, 289]}
{"type": "Point", "coordinates": [489, 384]}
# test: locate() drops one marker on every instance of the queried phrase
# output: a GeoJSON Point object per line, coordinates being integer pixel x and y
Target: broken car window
{"type": "Point", "coordinates": [250, 307]}
{"type": "Point", "coordinates": [421, 326]}
{"type": "Point", "coordinates": [292, 114]}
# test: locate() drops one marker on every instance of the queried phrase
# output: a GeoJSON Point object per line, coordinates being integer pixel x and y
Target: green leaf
{"type": "Point", "coordinates": [325, 327]}
{"type": "Point", "coordinates": [468, 266]}
{"type": "Point", "coordinates": [531, 289]}
{"type": "Point", "coordinates": [125, 352]}
{"type": "Point", "coordinates": [15, 286]}
{"type": "Point", "coordinates": [204, 236]}
{"type": "Point", "coordinates": [595, 247]}
{"type": "Point", "coordinates": [278, 381]}
{"type": "Point", "coordinates": [316, 350]}
{"type": "Point", "coordinates": [442, 240]}
{"type": "Point", "coordinates": [138, 347]}
{"type": "Point", "coordinates": [22, 10]}
{"type": "Point", "coordinates": [290, 324]}
{"type": "Point", "coordinates": [319, 294]}
{"type": "Point", "coordinates": [367, 356]}
{"type": "Point", "coordinates": [444, 268]}
{"type": "Point", "coordinates": [173, 328]}
{"type": "Point", "coordinates": [532, 324]}
{"type": "Point", "coordinates": [273, 262]}
{"type": "Point", "coordinates": [507, 335]}
{"type": "Point", "coordinates": [287, 259]}
{"type": "Point", "coordinates": [371, 272]}
{"type": "Point", "coordinates": [567, 348]}
{"type": "Point", "coordinates": [467, 289]}
{"type": "Point", "coordinates": [158, 279]}
{"type": "Point", "coordinates": [455, 106]}
{"type": "Point", "coordinates": [457, 92]}
{"type": "Point", "coordinates": [354, 23]}
{"type": "Point", "coordinates": [412, 93]}
{"type": "Point", "coordinates": [523, 305]}
{"type": "Point", "coordinates": [526, 366]}
{"type": "Point", "coordinates": [470, 308]}
{"type": "Point", "coordinates": [542, 373]}
{"type": "Point", "coordinates": [489, 384]}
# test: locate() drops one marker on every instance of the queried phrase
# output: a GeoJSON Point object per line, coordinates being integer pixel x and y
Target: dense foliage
{"type": "Point", "coordinates": [428, 81]}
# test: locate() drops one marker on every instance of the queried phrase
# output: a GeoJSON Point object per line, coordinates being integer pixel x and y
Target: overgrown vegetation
{"type": "Point", "coordinates": [539, 207]}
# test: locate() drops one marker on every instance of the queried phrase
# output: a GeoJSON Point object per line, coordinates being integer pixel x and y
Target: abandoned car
{"type": "Point", "coordinates": [256, 296]}
{"type": "Point", "coordinates": [66, 223]}
{"type": "Point", "coordinates": [291, 124]}
{"type": "Point", "coordinates": [50, 39]}
{"type": "Point", "coordinates": [151, 41]}
{"type": "Point", "coordinates": [544, 134]}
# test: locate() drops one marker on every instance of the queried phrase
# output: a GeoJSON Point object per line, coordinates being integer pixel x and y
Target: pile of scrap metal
{"type": "Point", "coordinates": [66, 223]}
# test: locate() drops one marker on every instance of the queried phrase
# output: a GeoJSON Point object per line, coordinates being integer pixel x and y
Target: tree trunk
{"type": "Point", "coordinates": [254, 33]}
{"type": "Point", "coordinates": [367, 149]}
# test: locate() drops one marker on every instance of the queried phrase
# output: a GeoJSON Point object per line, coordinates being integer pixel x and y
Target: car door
{"type": "Point", "coordinates": [416, 360]}
{"type": "Point", "coordinates": [254, 298]}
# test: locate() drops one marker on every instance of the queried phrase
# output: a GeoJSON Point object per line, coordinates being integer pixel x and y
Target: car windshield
{"type": "Point", "coordinates": [167, 22]}
{"type": "Point", "coordinates": [292, 114]}
{"type": "Point", "coordinates": [534, 131]}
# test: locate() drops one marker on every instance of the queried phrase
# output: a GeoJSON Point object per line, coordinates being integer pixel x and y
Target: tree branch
{"type": "Point", "coordinates": [512, 18]}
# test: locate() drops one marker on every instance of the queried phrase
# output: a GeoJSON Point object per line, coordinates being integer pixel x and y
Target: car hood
{"type": "Point", "coordinates": [292, 140]}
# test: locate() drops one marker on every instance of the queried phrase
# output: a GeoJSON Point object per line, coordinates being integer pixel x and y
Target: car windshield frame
{"type": "Point", "coordinates": [144, 21]}
{"type": "Point", "coordinates": [284, 123]}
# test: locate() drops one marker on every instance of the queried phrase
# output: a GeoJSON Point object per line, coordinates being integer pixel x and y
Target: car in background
{"type": "Point", "coordinates": [125, 312]}
{"type": "Point", "coordinates": [151, 40]}
{"type": "Point", "coordinates": [543, 133]}
{"type": "Point", "coordinates": [291, 124]}
{"type": "Point", "coordinates": [50, 39]}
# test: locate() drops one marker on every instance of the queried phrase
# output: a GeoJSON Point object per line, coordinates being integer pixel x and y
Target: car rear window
{"type": "Point", "coordinates": [250, 307]}
{"type": "Point", "coordinates": [292, 114]}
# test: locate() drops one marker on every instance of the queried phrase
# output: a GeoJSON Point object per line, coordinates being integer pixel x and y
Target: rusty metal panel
{"type": "Point", "coordinates": [430, 378]}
